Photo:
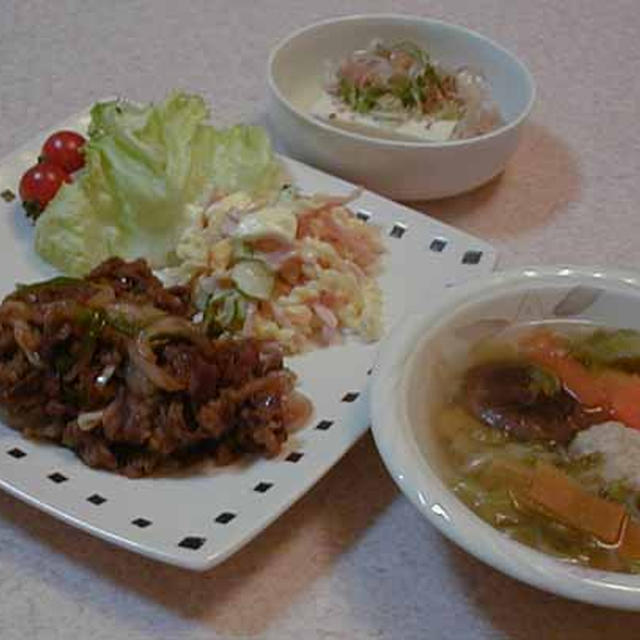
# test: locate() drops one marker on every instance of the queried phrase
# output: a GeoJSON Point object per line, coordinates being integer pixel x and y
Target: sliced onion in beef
{"type": "Point", "coordinates": [137, 381]}
{"type": "Point", "coordinates": [143, 356]}
{"type": "Point", "coordinates": [89, 420]}
{"type": "Point", "coordinates": [175, 327]}
{"type": "Point", "coordinates": [135, 314]}
{"type": "Point", "coordinates": [27, 341]}
{"type": "Point", "coordinates": [143, 359]}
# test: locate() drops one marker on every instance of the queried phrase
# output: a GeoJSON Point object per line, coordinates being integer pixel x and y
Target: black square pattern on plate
{"type": "Point", "coordinates": [397, 231]}
{"type": "Point", "coordinates": [225, 517]}
{"type": "Point", "coordinates": [294, 456]}
{"type": "Point", "coordinates": [263, 487]}
{"type": "Point", "coordinates": [16, 453]}
{"type": "Point", "coordinates": [192, 542]}
{"type": "Point", "coordinates": [96, 499]}
{"type": "Point", "coordinates": [438, 245]}
{"type": "Point", "coordinates": [143, 523]}
{"type": "Point", "coordinates": [324, 425]}
{"type": "Point", "coordinates": [58, 478]}
{"type": "Point", "coordinates": [352, 396]}
{"type": "Point", "coordinates": [363, 215]}
{"type": "Point", "coordinates": [471, 257]}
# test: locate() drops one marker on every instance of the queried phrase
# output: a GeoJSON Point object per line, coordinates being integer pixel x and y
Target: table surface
{"type": "Point", "coordinates": [352, 559]}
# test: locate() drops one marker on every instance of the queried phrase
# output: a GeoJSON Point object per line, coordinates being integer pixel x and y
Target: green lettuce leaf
{"type": "Point", "coordinates": [144, 163]}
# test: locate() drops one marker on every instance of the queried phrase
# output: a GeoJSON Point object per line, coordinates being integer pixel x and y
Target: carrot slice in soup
{"type": "Point", "coordinates": [562, 497]}
{"type": "Point", "coordinates": [547, 350]}
{"type": "Point", "coordinates": [623, 391]}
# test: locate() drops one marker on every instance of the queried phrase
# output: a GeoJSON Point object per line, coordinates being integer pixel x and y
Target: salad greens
{"type": "Point", "coordinates": [144, 163]}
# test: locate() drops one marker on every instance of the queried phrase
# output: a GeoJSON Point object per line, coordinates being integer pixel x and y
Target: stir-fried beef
{"type": "Point", "coordinates": [113, 367]}
{"type": "Point", "coordinates": [504, 395]}
{"type": "Point", "coordinates": [134, 282]}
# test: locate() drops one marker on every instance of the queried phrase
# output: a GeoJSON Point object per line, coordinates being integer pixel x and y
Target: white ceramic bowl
{"type": "Point", "coordinates": [397, 169]}
{"type": "Point", "coordinates": [420, 355]}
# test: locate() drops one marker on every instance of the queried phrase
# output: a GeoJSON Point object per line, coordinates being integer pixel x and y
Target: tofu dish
{"type": "Point", "coordinates": [397, 91]}
{"type": "Point", "coordinates": [541, 439]}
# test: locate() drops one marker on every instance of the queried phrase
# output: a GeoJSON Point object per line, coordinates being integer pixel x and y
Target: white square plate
{"type": "Point", "coordinates": [199, 517]}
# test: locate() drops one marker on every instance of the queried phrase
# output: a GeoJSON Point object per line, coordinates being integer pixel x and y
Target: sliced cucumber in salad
{"type": "Point", "coordinates": [253, 278]}
{"type": "Point", "coordinates": [226, 309]}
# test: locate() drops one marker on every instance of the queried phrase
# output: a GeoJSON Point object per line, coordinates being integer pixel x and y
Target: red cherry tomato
{"type": "Point", "coordinates": [64, 148]}
{"type": "Point", "coordinates": [39, 185]}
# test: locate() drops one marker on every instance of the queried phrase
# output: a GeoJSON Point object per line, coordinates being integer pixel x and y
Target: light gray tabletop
{"type": "Point", "coordinates": [353, 559]}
